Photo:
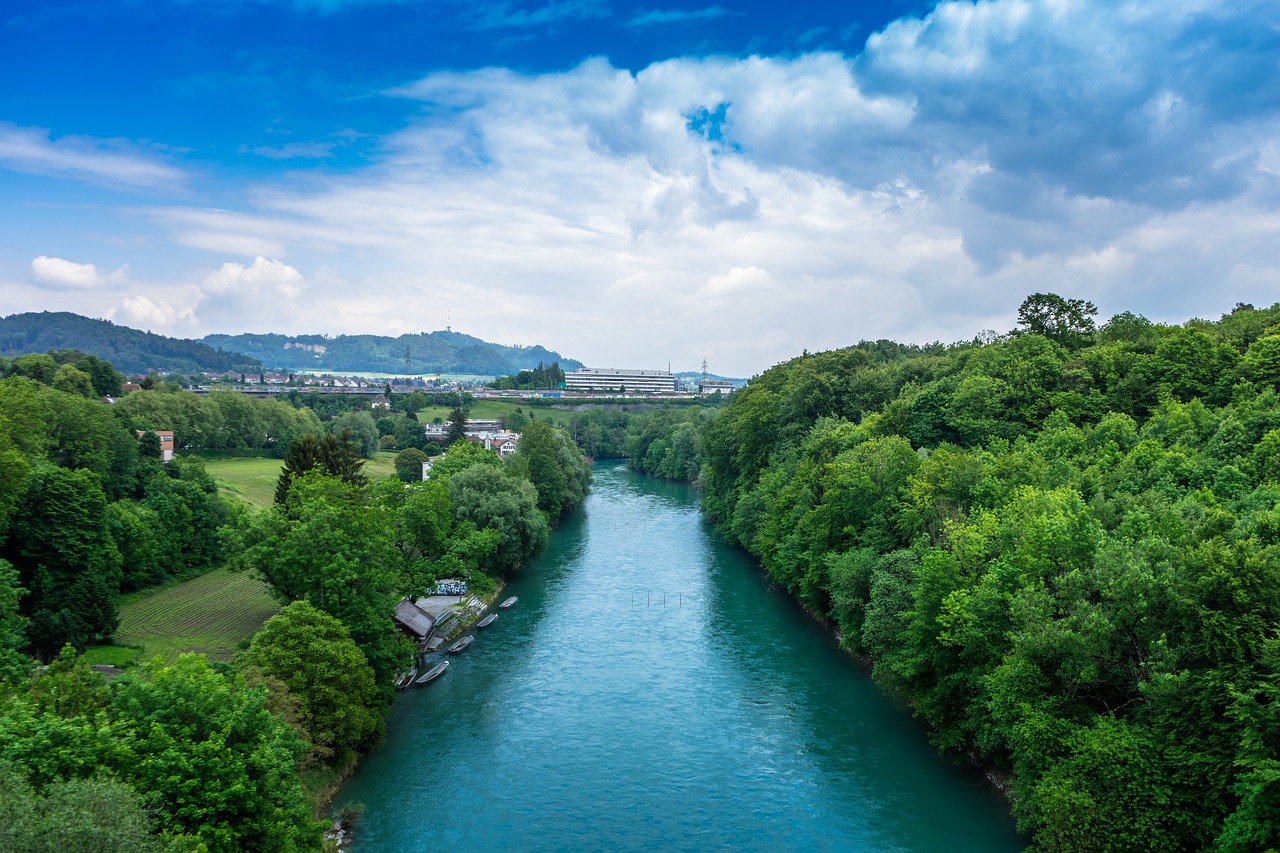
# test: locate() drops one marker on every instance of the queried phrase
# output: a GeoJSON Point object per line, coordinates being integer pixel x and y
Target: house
{"type": "Point", "coordinates": [380, 402]}
{"type": "Point", "coordinates": [501, 442]}
{"type": "Point", "coordinates": [413, 620]}
{"type": "Point", "coordinates": [166, 442]}
{"type": "Point", "coordinates": [716, 386]}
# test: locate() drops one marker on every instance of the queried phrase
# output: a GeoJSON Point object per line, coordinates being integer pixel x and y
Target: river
{"type": "Point", "coordinates": [651, 692]}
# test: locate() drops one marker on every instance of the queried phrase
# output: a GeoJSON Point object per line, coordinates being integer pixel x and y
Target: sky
{"type": "Point", "coordinates": [636, 184]}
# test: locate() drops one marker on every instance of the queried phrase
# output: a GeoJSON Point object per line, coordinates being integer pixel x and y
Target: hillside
{"type": "Point", "coordinates": [433, 352]}
{"type": "Point", "coordinates": [135, 351]}
{"type": "Point", "coordinates": [129, 350]}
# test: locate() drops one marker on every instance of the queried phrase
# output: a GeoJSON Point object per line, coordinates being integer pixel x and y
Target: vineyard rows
{"type": "Point", "coordinates": [212, 614]}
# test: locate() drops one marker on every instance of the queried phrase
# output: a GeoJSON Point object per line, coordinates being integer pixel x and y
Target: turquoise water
{"type": "Point", "coordinates": [650, 691]}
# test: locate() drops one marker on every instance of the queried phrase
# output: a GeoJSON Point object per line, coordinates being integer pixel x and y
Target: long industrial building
{"type": "Point", "coordinates": [614, 379]}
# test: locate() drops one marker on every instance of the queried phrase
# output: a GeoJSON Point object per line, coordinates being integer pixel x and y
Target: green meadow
{"type": "Point", "coordinates": [497, 409]}
{"type": "Point", "coordinates": [254, 478]}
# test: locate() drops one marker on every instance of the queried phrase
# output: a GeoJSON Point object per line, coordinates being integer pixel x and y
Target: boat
{"type": "Point", "coordinates": [487, 621]}
{"type": "Point", "coordinates": [434, 672]}
{"type": "Point", "coordinates": [461, 645]}
{"type": "Point", "coordinates": [404, 679]}
{"type": "Point", "coordinates": [510, 601]}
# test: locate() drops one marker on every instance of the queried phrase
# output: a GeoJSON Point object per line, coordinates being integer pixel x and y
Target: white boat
{"type": "Point", "coordinates": [510, 601]}
{"type": "Point", "coordinates": [462, 644]}
{"type": "Point", "coordinates": [435, 672]}
{"type": "Point", "coordinates": [404, 679]}
{"type": "Point", "coordinates": [487, 621]}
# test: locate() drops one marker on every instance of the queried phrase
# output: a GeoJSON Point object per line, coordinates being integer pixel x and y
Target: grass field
{"type": "Point", "coordinates": [212, 614]}
{"type": "Point", "coordinates": [493, 409]}
{"type": "Point", "coordinates": [254, 479]}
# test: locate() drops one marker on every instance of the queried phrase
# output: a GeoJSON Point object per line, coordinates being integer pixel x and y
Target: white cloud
{"type": "Point", "coordinates": [262, 292]}
{"type": "Point", "coordinates": [677, 16]}
{"type": "Point", "coordinates": [111, 162]}
{"type": "Point", "coordinates": [743, 209]}
{"type": "Point", "coordinates": [63, 274]}
{"type": "Point", "coordinates": [153, 313]}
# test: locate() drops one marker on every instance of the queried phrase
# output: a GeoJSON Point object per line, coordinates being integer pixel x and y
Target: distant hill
{"type": "Point", "coordinates": [434, 352]}
{"type": "Point", "coordinates": [691, 377]}
{"type": "Point", "coordinates": [128, 350]}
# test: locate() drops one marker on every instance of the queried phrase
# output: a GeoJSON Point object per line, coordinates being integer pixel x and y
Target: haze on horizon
{"type": "Point", "coordinates": [636, 183]}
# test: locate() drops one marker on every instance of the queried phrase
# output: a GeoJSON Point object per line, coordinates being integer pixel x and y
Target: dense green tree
{"type": "Point", "coordinates": [547, 457]}
{"type": "Point", "coordinates": [195, 421]}
{"type": "Point", "coordinates": [72, 380]}
{"type": "Point", "coordinates": [13, 639]}
{"type": "Point", "coordinates": [1066, 321]}
{"type": "Point", "coordinates": [37, 366]}
{"type": "Point", "coordinates": [104, 377]}
{"type": "Point", "coordinates": [362, 432]}
{"type": "Point", "coordinates": [1261, 364]}
{"type": "Point", "coordinates": [334, 455]}
{"type": "Point", "coordinates": [91, 815]}
{"type": "Point", "coordinates": [457, 430]}
{"type": "Point", "coordinates": [333, 546]}
{"type": "Point", "coordinates": [220, 765]}
{"type": "Point", "coordinates": [1083, 596]}
{"type": "Point", "coordinates": [408, 433]}
{"type": "Point", "coordinates": [408, 464]}
{"type": "Point", "coordinates": [313, 655]}
{"type": "Point", "coordinates": [488, 497]}
{"type": "Point", "coordinates": [66, 558]}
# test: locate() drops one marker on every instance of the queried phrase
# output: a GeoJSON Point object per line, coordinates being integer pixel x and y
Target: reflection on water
{"type": "Point", "coordinates": [651, 692]}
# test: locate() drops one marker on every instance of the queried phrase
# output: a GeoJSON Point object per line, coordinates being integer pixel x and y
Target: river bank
{"type": "Point", "coordinates": [340, 833]}
{"type": "Point", "coordinates": [592, 716]}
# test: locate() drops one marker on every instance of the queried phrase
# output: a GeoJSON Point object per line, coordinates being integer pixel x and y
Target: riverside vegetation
{"type": "Point", "coordinates": [185, 753]}
{"type": "Point", "coordinates": [1060, 545]}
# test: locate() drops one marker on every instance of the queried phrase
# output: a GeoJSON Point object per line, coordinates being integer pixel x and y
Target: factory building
{"type": "Point", "coordinates": [614, 379]}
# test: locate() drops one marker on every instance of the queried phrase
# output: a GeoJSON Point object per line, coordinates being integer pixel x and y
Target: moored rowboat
{"type": "Point", "coordinates": [510, 601]}
{"type": "Point", "coordinates": [461, 645]}
{"type": "Point", "coordinates": [434, 672]}
{"type": "Point", "coordinates": [487, 621]}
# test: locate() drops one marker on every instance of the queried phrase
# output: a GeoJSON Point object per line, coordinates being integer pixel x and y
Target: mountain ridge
{"type": "Point", "coordinates": [135, 351]}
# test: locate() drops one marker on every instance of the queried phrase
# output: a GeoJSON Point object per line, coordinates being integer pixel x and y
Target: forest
{"type": "Point", "coordinates": [1060, 545]}
{"type": "Point", "coordinates": [193, 755]}
{"type": "Point", "coordinates": [442, 351]}
{"type": "Point", "coordinates": [128, 350]}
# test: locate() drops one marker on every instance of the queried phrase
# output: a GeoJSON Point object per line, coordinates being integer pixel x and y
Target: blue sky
{"type": "Point", "coordinates": [636, 183]}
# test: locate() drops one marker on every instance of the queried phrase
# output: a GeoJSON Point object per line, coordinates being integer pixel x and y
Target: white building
{"type": "Point", "coordinates": [711, 386]}
{"type": "Point", "coordinates": [626, 381]}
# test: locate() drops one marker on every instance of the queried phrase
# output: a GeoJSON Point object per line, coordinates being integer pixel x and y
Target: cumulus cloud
{"type": "Point", "coordinates": [743, 209]}
{"type": "Point", "coordinates": [115, 163]}
{"type": "Point", "coordinates": [69, 275]}
{"type": "Point", "coordinates": [154, 312]}
{"type": "Point", "coordinates": [248, 295]}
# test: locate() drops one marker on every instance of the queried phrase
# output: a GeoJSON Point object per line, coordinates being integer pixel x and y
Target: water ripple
{"type": "Point", "coordinates": [650, 692]}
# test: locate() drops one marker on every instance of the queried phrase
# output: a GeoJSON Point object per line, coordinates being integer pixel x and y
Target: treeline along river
{"type": "Point", "coordinates": [651, 692]}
